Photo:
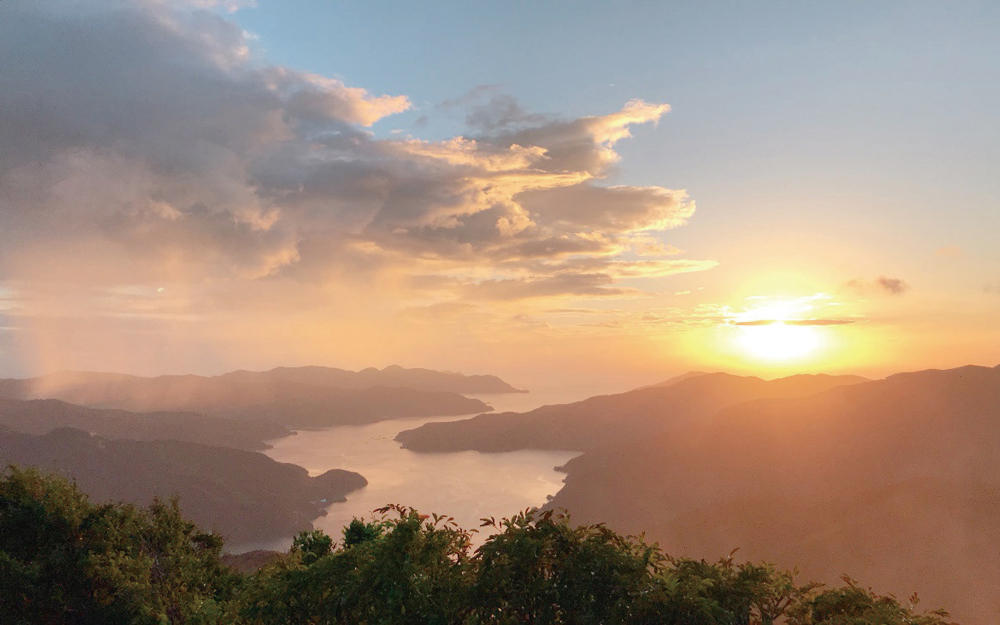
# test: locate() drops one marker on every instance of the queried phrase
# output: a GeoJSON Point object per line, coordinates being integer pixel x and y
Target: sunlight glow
{"type": "Point", "coordinates": [779, 342]}
{"type": "Point", "coordinates": [781, 330]}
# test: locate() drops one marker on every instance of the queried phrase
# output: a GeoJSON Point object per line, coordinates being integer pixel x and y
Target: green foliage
{"type": "Point", "coordinates": [404, 568]}
{"type": "Point", "coordinates": [312, 546]}
{"type": "Point", "coordinates": [852, 605]}
{"type": "Point", "coordinates": [42, 551]}
{"type": "Point", "coordinates": [360, 532]}
{"type": "Point", "coordinates": [724, 593]}
{"type": "Point", "coordinates": [66, 560]}
{"type": "Point", "coordinates": [540, 569]}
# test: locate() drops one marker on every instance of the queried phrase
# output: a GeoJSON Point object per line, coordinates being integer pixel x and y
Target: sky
{"type": "Point", "coordinates": [558, 192]}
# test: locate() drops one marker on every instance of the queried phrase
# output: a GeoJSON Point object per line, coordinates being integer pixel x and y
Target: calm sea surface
{"type": "Point", "coordinates": [466, 485]}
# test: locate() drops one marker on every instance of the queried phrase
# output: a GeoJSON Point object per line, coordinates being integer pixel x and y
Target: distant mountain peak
{"type": "Point", "coordinates": [675, 379]}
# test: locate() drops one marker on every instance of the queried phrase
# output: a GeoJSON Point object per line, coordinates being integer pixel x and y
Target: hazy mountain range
{"type": "Point", "coordinates": [306, 397]}
{"type": "Point", "coordinates": [244, 495]}
{"type": "Point", "coordinates": [132, 438]}
{"type": "Point", "coordinates": [393, 375]}
{"type": "Point", "coordinates": [599, 420]}
{"type": "Point", "coordinates": [895, 481]}
{"type": "Point", "coordinates": [39, 416]}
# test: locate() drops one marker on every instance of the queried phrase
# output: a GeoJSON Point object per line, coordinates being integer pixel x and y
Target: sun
{"type": "Point", "coordinates": [779, 342]}
{"type": "Point", "coordinates": [781, 330]}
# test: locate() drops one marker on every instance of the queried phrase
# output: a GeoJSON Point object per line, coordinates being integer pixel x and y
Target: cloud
{"type": "Point", "coordinates": [580, 285]}
{"type": "Point", "coordinates": [150, 144]}
{"type": "Point", "coordinates": [648, 245]}
{"type": "Point", "coordinates": [893, 286]}
{"type": "Point", "coordinates": [441, 310]}
{"type": "Point", "coordinates": [615, 209]}
{"type": "Point", "coordinates": [581, 277]}
{"type": "Point", "coordinates": [314, 98]}
{"type": "Point", "coordinates": [796, 322]}
{"type": "Point", "coordinates": [587, 143]}
{"type": "Point", "coordinates": [230, 6]}
{"type": "Point", "coordinates": [501, 112]}
{"type": "Point", "coordinates": [470, 97]}
{"type": "Point", "coordinates": [139, 130]}
{"type": "Point", "coordinates": [880, 285]}
{"type": "Point", "coordinates": [490, 110]}
{"type": "Point", "coordinates": [949, 251]}
{"type": "Point", "coordinates": [817, 309]}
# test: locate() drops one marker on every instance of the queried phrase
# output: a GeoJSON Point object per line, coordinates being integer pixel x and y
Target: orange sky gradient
{"type": "Point", "coordinates": [198, 208]}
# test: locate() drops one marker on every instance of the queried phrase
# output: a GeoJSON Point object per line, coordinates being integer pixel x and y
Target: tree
{"type": "Point", "coordinates": [540, 569]}
{"type": "Point", "coordinates": [724, 593]}
{"type": "Point", "coordinates": [403, 568]}
{"type": "Point", "coordinates": [853, 605]}
{"type": "Point", "coordinates": [65, 560]}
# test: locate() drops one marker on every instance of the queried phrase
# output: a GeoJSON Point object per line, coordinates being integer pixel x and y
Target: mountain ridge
{"type": "Point", "coordinates": [40, 416]}
{"type": "Point", "coordinates": [595, 421]}
{"type": "Point", "coordinates": [242, 396]}
{"type": "Point", "coordinates": [244, 495]}
{"type": "Point", "coordinates": [896, 480]}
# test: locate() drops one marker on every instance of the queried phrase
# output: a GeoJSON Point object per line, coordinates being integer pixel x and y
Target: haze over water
{"type": "Point", "coordinates": [468, 485]}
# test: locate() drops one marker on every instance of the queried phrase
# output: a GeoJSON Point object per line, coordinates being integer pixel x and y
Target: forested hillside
{"type": "Point", "coordinates": [895, 480]}
{"type": "Point", "coordinates": [41, 416]}
{"type": "Point", "coordinates": [64, 560]}
{"type": "Point", "coordinates": [244, 495]}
